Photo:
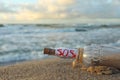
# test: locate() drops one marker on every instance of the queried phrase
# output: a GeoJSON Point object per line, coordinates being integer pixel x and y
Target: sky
{"type": "Point", "coordinates": [59, 11]}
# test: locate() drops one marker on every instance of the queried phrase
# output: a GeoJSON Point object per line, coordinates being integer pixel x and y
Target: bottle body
{"type": "Point", "coordinates": [104, 55]}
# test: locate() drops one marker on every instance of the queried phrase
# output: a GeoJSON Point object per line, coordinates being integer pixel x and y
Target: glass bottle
{"type": "Point", "coordinates": [103, 55]}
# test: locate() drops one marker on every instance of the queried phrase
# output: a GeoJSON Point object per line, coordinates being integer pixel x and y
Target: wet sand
{"type": "Point", "coordinates": [49, 69]}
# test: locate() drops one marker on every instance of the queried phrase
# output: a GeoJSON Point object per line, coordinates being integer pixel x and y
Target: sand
{"type": "Point", "coordinates": [49, 69]}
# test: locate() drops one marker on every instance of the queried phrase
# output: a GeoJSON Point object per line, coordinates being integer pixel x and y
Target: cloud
{"type": "Point", "coordinates": [42, 9]}
{"type": "Point", "coordinates": [60, 9]}
{"type": "Point", "coordinates": [55, 6]}
{"type": "Point", "coordinates": [5, 8]}
{"type": "Point", "coordinates": [65, 2]}
{"type": "Point", "coordinates": [97, 8]}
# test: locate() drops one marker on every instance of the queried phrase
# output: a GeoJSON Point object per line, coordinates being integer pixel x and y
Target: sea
{"type": "Point", "coordinates": [25, 42]}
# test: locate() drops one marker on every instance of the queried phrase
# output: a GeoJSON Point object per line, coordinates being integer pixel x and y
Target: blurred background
{"type": "Point", "coordinates": [28, 26]}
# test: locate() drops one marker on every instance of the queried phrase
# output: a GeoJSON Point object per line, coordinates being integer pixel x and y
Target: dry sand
{"type": "Point", "coordinates": [49, 69]}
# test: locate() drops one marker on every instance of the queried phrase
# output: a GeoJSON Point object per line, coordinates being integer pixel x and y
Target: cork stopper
{"type": "Point", "coordinates": [49, 51]}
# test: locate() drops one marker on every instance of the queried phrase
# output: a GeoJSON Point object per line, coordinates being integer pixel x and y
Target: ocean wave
{"type": "Point", "coordinates": [19, 43]}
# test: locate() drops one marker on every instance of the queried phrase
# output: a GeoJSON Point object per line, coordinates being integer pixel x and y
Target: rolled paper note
{"type": "Point", "coordinates": [61, 52]}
